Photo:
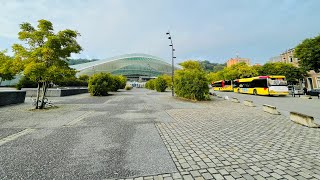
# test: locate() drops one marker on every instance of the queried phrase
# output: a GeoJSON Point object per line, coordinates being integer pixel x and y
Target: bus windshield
{"type": "Point", "coordinates": [277, 82]}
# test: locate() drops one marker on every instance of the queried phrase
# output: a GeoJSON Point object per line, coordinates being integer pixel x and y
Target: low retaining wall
{"type": "Point", "coordinates": [271, 109]}
{"type": "Point", "coordinates": [12, 97]}
{"type": "Point", "coordinates": [248, 103]}
{"type": "Point", "coordinates": [303, 119]}
{"type": "Point", "coordinates": [56, 92]}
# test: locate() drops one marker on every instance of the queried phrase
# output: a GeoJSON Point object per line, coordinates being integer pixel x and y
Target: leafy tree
{"type": "Point", "coordinates": [160, 84]}
{"type": "Point", "coordinates": [100, 84]}
{"type": "Point", "coordinates": [191, 82]}
{"type": "Point", "coordinates": [215, 76]}
{"type": "Point", "coordinates": [8, 67]}
{"type": "Point", "coordinates": [45, 54]}
{"type": "Point", "coordinates": [211, 67]}
{"type": "Point", "coordinates": [291, 72]}
{"type": "Point", "coordinates": [308, 53]}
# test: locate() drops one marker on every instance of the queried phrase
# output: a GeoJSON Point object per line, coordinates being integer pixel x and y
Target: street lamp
{"type": "Point", "coordinates": [172, 50]}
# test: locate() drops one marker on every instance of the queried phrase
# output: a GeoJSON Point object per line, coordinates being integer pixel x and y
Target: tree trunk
{"type": "Point", "coordinates": [38, 93]}
{"type": "Point", "coordinates": [44, 91]}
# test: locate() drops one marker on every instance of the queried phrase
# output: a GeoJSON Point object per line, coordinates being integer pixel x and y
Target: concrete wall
{"type": "Point", "coordinates": [56, 92]}
{"type": "Point", "coordinates": [12, 97]}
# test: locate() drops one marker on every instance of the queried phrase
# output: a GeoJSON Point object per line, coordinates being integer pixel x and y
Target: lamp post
{"type": "Point", "coordinates": [172, 50]}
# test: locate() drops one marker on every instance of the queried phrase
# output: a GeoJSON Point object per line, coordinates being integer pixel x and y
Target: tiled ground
{"type": "Point", "coordinates": [226, 140]}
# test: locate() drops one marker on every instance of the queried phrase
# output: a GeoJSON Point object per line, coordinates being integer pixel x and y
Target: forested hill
{"type": "Point", "coordinates": [80, 61]}
{"type": "Point", "coordinates": [212, 67]}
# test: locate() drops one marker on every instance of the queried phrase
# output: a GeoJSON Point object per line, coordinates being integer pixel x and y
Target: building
{"type": "Point", "coordinates": [136, 67]}
{"type": "Point", "coordinates": [236, 60]}
{"type": "Point", "coordinates": [288, 57]}
{"type": "Point", "coordinates": [310, 82]}
{"type": "Point", "coordinates": [275, 59]}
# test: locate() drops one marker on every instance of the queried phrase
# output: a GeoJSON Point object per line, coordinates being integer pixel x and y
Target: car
{"type": "Point", "coordinates": [295, 90]}
{"type": "Point", "coordinates": [314, 92]}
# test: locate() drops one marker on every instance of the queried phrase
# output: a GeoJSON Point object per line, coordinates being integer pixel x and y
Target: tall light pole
{"type": "Point", "coordinates": [172, 50]}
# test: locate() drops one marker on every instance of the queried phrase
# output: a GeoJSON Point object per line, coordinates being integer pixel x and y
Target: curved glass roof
{"type": "Point", "coordinates": [129, 65]}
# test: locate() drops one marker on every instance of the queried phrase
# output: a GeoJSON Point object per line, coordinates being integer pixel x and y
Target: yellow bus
{"type": "Point", "coordinates": [223, 85]}
{"type": "Point", "coordinates": [263, 85]}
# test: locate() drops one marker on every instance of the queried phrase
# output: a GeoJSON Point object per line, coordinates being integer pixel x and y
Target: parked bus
{"type": "Point", "coordinates": [263, 85]}
{"type": "Point", "coordinates": [223, 85]}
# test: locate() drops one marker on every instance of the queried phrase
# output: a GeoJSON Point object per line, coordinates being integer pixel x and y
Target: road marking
{"type": "Point", "coordinates": [78, 119]}
{"type": "Point", "coordinates": [15, 136]}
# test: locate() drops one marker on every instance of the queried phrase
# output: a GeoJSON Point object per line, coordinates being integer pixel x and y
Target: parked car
{"type": "Point", "coordinates": [314, 92]}
{"type": "Point", "coordinates": [295, 90]}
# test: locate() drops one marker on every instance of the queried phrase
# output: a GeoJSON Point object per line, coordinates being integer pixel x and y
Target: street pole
{"type": "Point", "coordinates": [172, 63]}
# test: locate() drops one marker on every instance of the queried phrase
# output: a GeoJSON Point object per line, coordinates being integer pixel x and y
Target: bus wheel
{"type": "Point", "coordinates": [255, 92]}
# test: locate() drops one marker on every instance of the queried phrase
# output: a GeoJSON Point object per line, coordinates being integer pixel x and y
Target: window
{"type": "Point", "coordinates": [290, 59]}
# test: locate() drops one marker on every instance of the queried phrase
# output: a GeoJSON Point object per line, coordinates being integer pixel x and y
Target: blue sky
{"type": "Point", "coordinates": [213, 30]}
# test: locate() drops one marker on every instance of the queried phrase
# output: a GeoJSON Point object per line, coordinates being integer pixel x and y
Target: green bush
{"type": "Point", "coordinates": [150, 84]}
{"type": "Point", "coordinates": [84, 77]}
{"type": "Point", "coordinates": [119, 82]}
{"type": "Point", "coordinates": [25, 82]}
{"type": "Point", "coordinates": [128, 87]}
{"type": "Point", "coordinates": [73, 81]}
{"type": "Point", "coordinates": [100, 84]}
{"type": "Point", "coordinates": [191, 82]}
{"type": "Point", "coordinates": [160, 84]}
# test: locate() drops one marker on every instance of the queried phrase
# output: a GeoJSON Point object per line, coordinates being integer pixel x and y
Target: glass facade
{"type": "Point", "coordinates": [131, 65]}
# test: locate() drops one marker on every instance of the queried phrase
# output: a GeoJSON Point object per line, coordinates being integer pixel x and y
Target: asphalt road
{"type": "Point", "coordinates": [85, 138]}
{"type": "Point", "coordinates": [284, 104]}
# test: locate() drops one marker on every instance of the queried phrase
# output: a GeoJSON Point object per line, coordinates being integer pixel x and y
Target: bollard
{"type": "Point", "coordinates": [248, 103]}
{"type": "Point", "coordinates": [235, 100]}
{"type": "Point", "coordinates": [303, 119]}
{"type": "Point", "coordinates": [271, 109]}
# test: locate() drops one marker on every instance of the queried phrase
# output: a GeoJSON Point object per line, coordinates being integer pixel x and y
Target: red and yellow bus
{"type": "Point", "coordinates": [262, 85]}
{"type": "Point", "coordinates": [223, 85]}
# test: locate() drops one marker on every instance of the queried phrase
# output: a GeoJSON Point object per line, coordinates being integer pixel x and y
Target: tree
{"type": "Point", "coordinates": [191, 82]}
{"type": "Point", "coordinates": [291, 72]}
{"type": "Point", "coordinates": [8, 67]}
{"type": "Point", "coordinates": [45, 54]}
{"type": "Point", "coordinates": [308, 53]}
{"type": "Point", "coordinates": [211, 67]}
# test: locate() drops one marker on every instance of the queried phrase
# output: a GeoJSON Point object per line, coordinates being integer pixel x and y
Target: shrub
{"type": "Point", "coordinates": [160, 84]}
{"type": "Point", "coordinates": [84, 77]}
{"type": "Point", "coordinates": [73, 81]}
{"type": "Point", "coordinates": [150, 84]}
{"type": "Point", "coordinates": [100, 84]}
{"type": "Point", "coordinates": [168, 80]}
{"type": "Point", "coordinates": [25, 82]}
{"type": "Point", "coordinates": [119, 82]}
{"type": "Point", "coordinates": [128, 87]}
{"type": "Point", "coordinates": [191, 82]}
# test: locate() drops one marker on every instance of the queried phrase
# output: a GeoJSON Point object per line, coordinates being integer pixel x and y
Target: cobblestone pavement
{"type": "Point", "coordinates": [225, 140]}
{"type": "Point", "coordinates": [141, 134]}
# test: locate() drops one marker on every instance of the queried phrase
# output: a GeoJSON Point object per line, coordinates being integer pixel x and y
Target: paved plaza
{"type": "Point", "coordinates": [142, 134]}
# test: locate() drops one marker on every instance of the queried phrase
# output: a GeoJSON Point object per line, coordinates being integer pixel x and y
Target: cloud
{"type": "Point", "coordinates": [214, 30]}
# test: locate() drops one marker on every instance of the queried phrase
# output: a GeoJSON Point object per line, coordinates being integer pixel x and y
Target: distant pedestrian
{"type": "Point", "coordinates": [305, 91]}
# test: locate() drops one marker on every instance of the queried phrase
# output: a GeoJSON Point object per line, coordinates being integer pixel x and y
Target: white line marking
{"type": "Point", "coordinates": [15, 136]}
{"type": "Point", "coordinates": [78, 119]}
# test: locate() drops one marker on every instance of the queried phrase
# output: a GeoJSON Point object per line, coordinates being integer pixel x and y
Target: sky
{"type": "Point", "coordinates": [213, 30]}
